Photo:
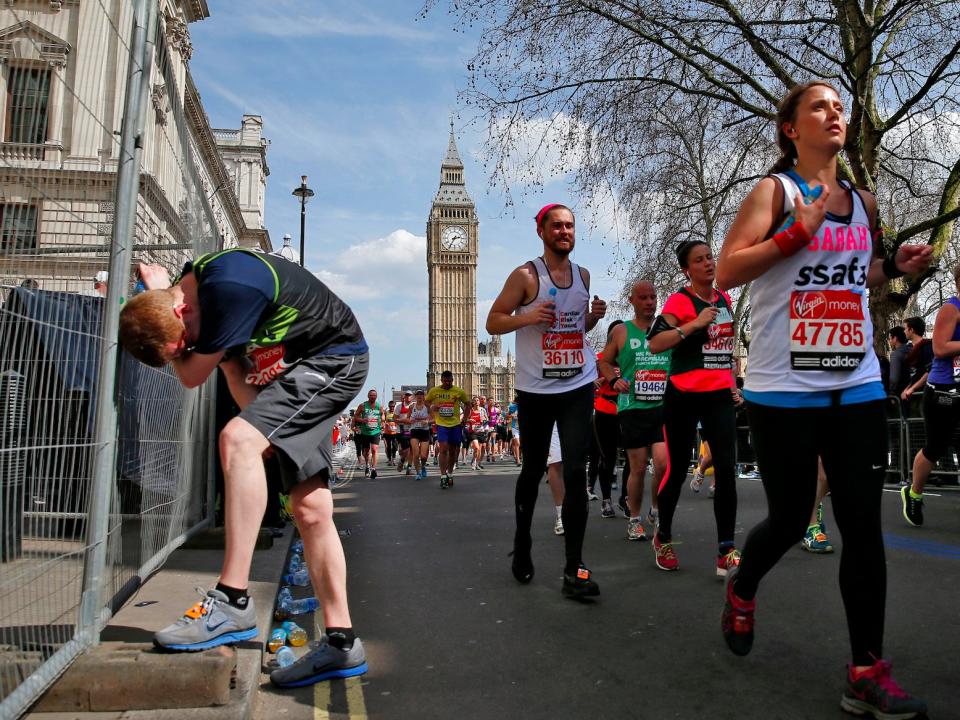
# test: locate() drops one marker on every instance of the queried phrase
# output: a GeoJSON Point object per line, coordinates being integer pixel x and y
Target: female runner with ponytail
{"type": "Point", "coordinates": [806, 242]}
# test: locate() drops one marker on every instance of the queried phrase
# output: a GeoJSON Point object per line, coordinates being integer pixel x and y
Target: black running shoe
{"type": "Point", "coordinates": [622, 507]}
{"type": "Point", "coordinates": [522, 566]}
{"type": "Point", "coordinates": [876, 693]}
{"type": "Point", "coordinates": [580, 585]}
{"type": "Point", "coordinates": [912, 508]}
{"type": "Point", "coordinates": [736, 620]}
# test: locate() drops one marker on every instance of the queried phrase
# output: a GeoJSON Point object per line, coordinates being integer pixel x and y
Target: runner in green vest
{"type": "Point", "coordinates": [370, 417]}
{"type": "Point", "coordinates": [641, 383]}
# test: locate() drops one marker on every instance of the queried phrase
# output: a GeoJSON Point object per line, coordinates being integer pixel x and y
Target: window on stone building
{"type": "Point", "coordinates": [18, 227]}
{"type": "Point", "coordinates": [28, 99]}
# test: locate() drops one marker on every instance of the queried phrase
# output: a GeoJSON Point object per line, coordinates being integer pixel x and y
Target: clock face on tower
{"type": "Point", "coordinates": [453, 238]}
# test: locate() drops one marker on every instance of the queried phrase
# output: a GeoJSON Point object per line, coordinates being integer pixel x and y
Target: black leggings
{"type": "Point", "coordinates": [538, 412]}
{"type": "Point", "coordinates": [393, 442]}
{"type": "Point", "coordinates": [941, 414]}
{"type": "Point", "coordinates": [852, 442]}
{"type": "Point", "coordinates": [681, 412]}
{"type": "Point", "coordinates": [603, 451]}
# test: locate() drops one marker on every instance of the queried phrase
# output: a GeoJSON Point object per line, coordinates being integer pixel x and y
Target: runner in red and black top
{"type": "Point", "coordinates": [475, 423]}
{"type": "Point", "coordinates": [697, 322]}
{"type": "Point", "coordinates": [403, 410]}
{"type": "Point", "coordinates": [605, 441]}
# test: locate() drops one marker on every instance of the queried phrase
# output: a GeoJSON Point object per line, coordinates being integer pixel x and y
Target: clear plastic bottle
{"type": "Point", "coordinates": [296, 635]}
{"type": "Point", "coordinates": [297, 547]}
{"type": "Point", "coordinates": [304, 605]}
{"type": "Point", "coordinates": [295, 564]}
{"type": "Point", "coordinates": [285, 657]}
{"type": "Point", "coordinates": [278, 638]}
{"type": "Point", "coordinates": [284, 598]}
{"type": "Point", "coordinates": [301, 578]}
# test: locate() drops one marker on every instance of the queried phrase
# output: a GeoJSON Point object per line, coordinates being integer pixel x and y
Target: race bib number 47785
{"type": "Point", "coordinates": [827, 330]}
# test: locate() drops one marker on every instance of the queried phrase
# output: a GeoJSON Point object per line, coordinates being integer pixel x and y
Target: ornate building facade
{"type": "Point", "coordinates": [496, 373]}
{"type": "Point", "coordinates": [63, 69]}
{"type": "Point", "coordinates": [452, 254]}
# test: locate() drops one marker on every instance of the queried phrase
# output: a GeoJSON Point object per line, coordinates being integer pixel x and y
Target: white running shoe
{"type": "Point", "coordinates": [558, 526]}
{"type": "Point", "coordinates": [635, 529]}
{"type": "Point", "coordinates": [697, 481]}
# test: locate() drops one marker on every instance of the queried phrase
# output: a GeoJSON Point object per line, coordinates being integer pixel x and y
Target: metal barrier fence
{"type": "Point", "coordinates": [905, 437]}
{"type": "Point", "coordinates": [106, 466]}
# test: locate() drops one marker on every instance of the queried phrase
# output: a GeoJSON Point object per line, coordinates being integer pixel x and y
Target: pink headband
{"type": "Point", "coordinates": [543, 211]}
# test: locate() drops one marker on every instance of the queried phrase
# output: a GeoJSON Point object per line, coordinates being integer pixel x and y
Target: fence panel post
{"type": "Point", "coordinates": [105, 427]}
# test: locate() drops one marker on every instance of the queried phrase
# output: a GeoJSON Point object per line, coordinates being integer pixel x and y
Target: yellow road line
{"type": "Point", "coordinates": [356, 706]}
{"type": "Point", "coordinates": [321, 701]}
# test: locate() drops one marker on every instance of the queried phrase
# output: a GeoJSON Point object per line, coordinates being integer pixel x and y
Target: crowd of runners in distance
{"type": "Point", "coordinates": [418, 428]}
{"type": "Point", "coordinates": [666, 384]}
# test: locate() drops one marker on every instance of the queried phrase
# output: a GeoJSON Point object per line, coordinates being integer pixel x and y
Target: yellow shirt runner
{"type": "Point", "coordinates": [448, 404]}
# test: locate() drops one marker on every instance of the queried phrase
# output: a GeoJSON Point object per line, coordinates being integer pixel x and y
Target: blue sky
{"type": "Point", "coordinates": [358, 97]}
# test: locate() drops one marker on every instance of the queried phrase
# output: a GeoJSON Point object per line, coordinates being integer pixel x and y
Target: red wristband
{"type": "Point", "coordinates": [793, 239]}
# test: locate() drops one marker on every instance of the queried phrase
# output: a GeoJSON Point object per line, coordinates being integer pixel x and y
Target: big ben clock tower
{"type": "Point", "coordinates": [452, 233]}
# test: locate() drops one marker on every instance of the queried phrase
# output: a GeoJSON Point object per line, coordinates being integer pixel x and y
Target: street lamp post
{"type": "Point", "coordinates": [304, 193]}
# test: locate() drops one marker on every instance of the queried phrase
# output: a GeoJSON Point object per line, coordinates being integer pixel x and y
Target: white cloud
{"type": "Point", "coordinates": [483, 308]}
{"type": "Point", "coordinates": [399, 248]}
{"type": "Point", "coordinates": [384, 281]}
{"type": "Point", "coordinates": [301, 26]}
{"type": "Point", "coordinates": [388, 268]}
{"type": "Point", "coordinates": [296, 19]}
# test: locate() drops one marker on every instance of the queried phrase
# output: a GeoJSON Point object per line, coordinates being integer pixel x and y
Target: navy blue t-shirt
{"type": "Point", "coordinates": [235, 291]}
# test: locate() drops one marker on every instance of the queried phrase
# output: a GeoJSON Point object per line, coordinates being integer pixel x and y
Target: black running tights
{"type": "Point", "coordinates": [852, 442]}
{"type": "Point", "coordinates": [603, 451]}
{"type": "Point", "coordinates": [681, 412]}
{"type": "Point", "coordinates": [571, 412]}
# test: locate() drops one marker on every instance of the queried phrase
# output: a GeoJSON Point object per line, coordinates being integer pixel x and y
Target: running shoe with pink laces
{"type": "Point", "coordinates": [665, 557]}
{"type": "Point", "coordinates": [875, 692]}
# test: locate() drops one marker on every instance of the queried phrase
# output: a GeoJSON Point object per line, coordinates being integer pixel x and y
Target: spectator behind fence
{"type": "Point", "coordinates": [899, 373]}
{"type": "Point", "coordinates": [919, 360]}
{"type": "Point", "coordinates": [941, 404]}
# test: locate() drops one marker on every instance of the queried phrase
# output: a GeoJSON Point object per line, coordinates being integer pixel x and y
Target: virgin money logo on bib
{"type": "Point", "coordinates": [263, 358]}
{"type": "Point", "coordinates": [562, 341]}
{"type": "Point", "coordinates": [267, 364]}
{"type": "Point", "coordinates": [809, 305]}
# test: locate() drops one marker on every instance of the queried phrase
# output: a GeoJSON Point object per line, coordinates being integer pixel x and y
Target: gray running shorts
{"type": "Point", "coordinates": [297, 412]}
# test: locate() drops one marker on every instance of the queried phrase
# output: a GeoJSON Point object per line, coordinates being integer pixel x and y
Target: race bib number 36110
{"type": "Point", "coordinates": [562, 355]}
{"type": "Point", "coordinates": [827, 330]}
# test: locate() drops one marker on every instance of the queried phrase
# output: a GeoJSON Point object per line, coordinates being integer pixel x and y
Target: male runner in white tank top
{"type": "Point", "coordinates": [547, 302]}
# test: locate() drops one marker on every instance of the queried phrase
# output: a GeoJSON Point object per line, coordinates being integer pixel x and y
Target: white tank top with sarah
{"type": "Point", "coordinates": [810, 324]}
{"type": "Point", "coordinates": [558, 358]}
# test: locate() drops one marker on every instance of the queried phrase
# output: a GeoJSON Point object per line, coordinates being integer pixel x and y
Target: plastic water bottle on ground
{"type": "Point", "coordinates": [284, 598]}
{"type": "Point", "coordinates": [300, 578]}
{"type": "Point", "coordinates": [285, 657]}
{"type": "Point", "coordinates": [278, 638]}
{"type": "Point", "coordinates": [304, 605]}
{"type": "Point", "coordinates": [295, 564]}
{"type": "Point", "coordinates": [296, 635]}
{"type": "Point", "coordinates": [297, 546]}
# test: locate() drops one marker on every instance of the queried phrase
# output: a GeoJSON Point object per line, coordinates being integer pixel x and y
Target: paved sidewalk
{"type": "Point", "coordinates": [126, 671]}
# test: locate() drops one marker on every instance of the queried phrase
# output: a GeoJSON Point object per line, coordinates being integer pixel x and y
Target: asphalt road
{"type": "Point", "coordinates": [450, 634]}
